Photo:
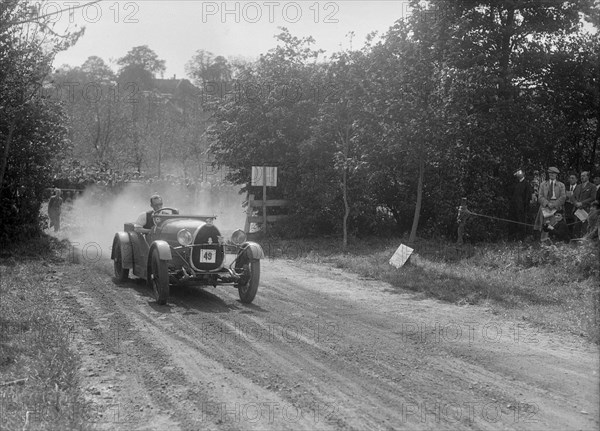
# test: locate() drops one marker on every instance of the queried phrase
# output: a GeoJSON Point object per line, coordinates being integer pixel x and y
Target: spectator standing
{"type": "Point", "coordinates": [569, 207]}
{"type": "Point", "coordinates": [535, 187]}
{"type": "Point", "coordinates": [583, 196]}
{"type": "Point", "coordinates": [519, 205]}
{"type": "Point", "coordinates": [54, 209]}
{"type": "Point", "coordinates": [551, 197]}
{"type": "Point", "coordinates": [596, 181]}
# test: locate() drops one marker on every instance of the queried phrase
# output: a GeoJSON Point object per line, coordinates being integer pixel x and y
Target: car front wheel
{"type": "Point", "coordinates": [121, 274]}
{"type": "Point", "coordinates": [159, 279]}
{"type": "Point", "coordinates": [248, 286]}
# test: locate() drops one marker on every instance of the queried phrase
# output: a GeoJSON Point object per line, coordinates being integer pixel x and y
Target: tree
{"type": "Point", "coordinates": [32, 135]}
{"type": "Point", "coordinates": [204, 68]}
{"type": "Point", "coordinates": [402, 83]}
{"type": "Point", "coordinates": [340, 130]}
{"type": "Point", "coordinates": [143, 57]}
{"type": "Point", "coordinates": [446, 105]}
{"type": "Point", "coordinates": [98, 111]}
{"type": "Point", "coordinates": [268, 113]}
{"type": "Point", "coordinates": [97, 70]}
{"type": "Point", "coordinates": [489, 92]}
{"type": "Point", "coordinates": [139, 67]}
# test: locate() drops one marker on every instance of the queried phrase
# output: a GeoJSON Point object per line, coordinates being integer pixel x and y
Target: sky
{"type": "Point", "coordinates": [176, 29]}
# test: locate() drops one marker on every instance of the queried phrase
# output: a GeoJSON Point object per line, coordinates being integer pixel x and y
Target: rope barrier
{"type": "Point", "coordinates": [498, 218]}
{"type": "Point", "coordinates": [507, 220]}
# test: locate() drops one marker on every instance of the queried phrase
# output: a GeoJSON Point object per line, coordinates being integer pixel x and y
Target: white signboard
{"type": "Point", "coordinates": [401, 256]}
{"type": "Point", "coordinates": [258, 177]}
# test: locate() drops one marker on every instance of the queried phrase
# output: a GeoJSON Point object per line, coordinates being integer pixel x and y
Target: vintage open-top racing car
{"type": "Point", "coordinates": [182, 249]}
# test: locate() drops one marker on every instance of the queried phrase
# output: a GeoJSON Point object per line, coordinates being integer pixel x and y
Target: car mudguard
{"type": "Point", "coordinates": [253, 250]}
{"type": "Point", "coordinates": [123, 241]}
{"type": "Point", "coordinates": [164, 250]}
{"type": "Point", "coordinates": [164, 253]}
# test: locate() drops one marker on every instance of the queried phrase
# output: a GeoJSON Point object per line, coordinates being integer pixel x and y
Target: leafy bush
{"type": "Point", "coordinates": [39, 141]}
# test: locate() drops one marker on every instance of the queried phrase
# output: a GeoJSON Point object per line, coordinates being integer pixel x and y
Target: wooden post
{"type": "Point", "coordinates": [264, 200]}
{"type": "Point", "coordinates": [248, 213]}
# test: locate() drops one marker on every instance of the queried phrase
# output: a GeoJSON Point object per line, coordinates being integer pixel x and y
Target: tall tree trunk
{"type": "Point", "coordinates": [345, 140]}
{"type": "Point", "coordinates": [415, 225]}
{"type": "Point", "coordinates": [505, 51]}
{"type": "Point", "coordinates": [159, 157]}
{"type": "Point", "coordinates": [346, 207]}
{"type": "Point", "coordinates": [597, 137]}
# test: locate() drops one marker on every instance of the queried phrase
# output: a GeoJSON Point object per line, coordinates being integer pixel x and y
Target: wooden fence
{"type": "Point", "coordinates": [253, 204]}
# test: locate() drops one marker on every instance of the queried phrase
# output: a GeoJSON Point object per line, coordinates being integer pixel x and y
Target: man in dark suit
{"type": "Point", "coordinates": [583, 196]}
{"type": "Point", "coordinates": [569, 207]}
{"type": "Point", "coordinates": [596, 182]}
{"type": "Point", "coordinates": [519, 205]}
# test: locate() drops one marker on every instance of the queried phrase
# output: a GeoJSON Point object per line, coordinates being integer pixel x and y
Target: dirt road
{"type": "Point", "coordinates": [318, 349]}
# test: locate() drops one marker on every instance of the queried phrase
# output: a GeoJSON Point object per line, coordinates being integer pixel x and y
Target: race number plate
{"type": "Point", "coordinates": [208, 256]}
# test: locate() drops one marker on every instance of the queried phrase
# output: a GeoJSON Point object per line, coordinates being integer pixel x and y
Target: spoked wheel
{"type": "Point", "coordinates": [248, 285]}
{"type": "Point", "coordinates": [159, 279]}
{"type": "Point", "coordinates": [121, 274]}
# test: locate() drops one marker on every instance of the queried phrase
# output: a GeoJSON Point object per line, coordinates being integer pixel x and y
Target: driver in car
{"type": "Point", "coordinates": [145, 222]}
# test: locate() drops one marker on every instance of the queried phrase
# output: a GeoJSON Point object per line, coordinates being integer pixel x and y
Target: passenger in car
{"type": "Point", "coordinates": [145, 222]}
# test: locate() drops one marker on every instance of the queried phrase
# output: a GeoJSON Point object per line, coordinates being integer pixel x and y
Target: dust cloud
{"type": "Point", "coordinates": [91, 220]}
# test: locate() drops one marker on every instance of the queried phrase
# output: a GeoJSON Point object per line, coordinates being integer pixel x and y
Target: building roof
{"type": "Point", "coordinates": [176, 87]}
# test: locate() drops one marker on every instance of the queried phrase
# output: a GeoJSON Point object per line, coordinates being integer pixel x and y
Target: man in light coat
{"type": "Point", "coordinates": [551, 197]}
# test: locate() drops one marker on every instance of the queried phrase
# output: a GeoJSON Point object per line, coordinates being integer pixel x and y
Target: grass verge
{"type": "Point", "coordinates": [554, 287]}
{"type": "Point", "coordinates": [39, 387]}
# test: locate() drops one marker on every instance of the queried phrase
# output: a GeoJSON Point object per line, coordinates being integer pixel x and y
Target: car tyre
{"type": "Point", "coordinates": [121, 274]}
{"type": "Point", "coordinates": [159, 278]}
{"type": "Point", "coordinates": [248, 288]}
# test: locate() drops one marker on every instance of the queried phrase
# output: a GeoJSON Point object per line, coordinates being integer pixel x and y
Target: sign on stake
{"type": "Point", "coordinates": [401, 256]}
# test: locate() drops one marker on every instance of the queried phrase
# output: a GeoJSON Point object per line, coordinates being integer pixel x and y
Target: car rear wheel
{"type": "Point", "coordinates": [121, 274]}
{"type": "Point", "coordinates": [249, 285]}
{"type": "Point", "coordinates": [159, 279]}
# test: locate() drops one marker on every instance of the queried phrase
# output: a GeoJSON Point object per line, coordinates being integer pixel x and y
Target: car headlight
{"type": "Point", "coordinates": [184, 237]}
{"type": "Point", "coordinates": [238, 237]}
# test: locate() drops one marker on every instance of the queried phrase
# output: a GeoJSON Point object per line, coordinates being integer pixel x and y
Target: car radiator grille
{"type": "Point", "coordinates": [209, 254]}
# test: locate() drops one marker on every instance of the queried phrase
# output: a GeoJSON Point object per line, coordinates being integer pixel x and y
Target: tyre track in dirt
{"type": "Point", "coordinates": [320, 349]}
